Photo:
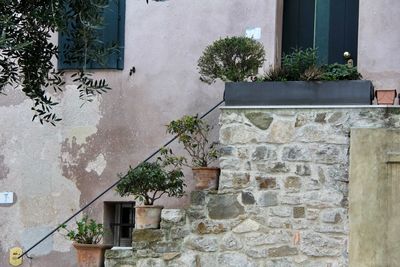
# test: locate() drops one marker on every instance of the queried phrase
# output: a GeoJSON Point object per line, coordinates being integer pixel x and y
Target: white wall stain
{"type": "Point", "coordinates": [98, 165]}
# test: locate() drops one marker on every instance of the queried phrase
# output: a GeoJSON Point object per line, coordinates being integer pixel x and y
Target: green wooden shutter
{"type": "Point", "coordinates": [331, 26]}
{"type": "Point", "coordinates": [298, 24]}
{"type": "Point", "coordinates": [113, 32]}
{"type": "Point", "coordinates": [343, 30]}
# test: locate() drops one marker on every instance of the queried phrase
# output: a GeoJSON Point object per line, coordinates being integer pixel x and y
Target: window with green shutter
{"type": "Point", "coordinates": [331, 26]}
{"type": "Point", "coordinates": [109, 35]}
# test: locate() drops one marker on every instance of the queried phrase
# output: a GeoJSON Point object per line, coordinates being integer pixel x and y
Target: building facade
{"type": "Point", "coordinates": [53, 171]}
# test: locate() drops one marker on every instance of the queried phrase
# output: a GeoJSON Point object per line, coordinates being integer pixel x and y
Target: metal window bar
{"type": "Point", "coordinates": [111, 186]}
{"type": "Point", "coordinates": [117, 225]}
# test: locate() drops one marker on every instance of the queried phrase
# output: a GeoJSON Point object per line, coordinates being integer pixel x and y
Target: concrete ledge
{"type": "Point", "coordinates": [312, 107]}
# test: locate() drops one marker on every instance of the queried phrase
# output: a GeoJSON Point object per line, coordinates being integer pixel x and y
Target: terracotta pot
{"type": "Point", "coordinates": [148, 217]}
{"type": "Point", "coordinates": [207, 178]}
{"type": "Point", "coordinates": [90, 255]}
{"type": "Point", "coordinates": [385, 97]}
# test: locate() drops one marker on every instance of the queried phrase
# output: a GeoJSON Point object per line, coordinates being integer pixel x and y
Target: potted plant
{"type": "Point", "coordinates": [86, 237]}
{"type": "Point", "coordinates": [385, 97]}
{"type": "Point", "coordinates": [193, 134]}
{"type": "Point", "coordinates": [148, 182]}
{"type": "Point", "coordinates": [299, 81]}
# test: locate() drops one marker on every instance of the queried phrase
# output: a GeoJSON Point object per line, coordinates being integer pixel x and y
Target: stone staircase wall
{"type": "Point", "coordinates": [282, 198]}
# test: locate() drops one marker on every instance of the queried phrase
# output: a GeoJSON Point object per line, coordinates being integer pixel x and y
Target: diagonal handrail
{"type": "Point", "coordinates": [111, 186]}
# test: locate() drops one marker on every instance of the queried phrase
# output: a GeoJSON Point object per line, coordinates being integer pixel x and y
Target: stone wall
{"type": "Point", "coordinates": [282, 198]}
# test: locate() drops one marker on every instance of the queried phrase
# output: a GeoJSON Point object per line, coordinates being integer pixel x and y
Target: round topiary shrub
{"type": "Point", "coordinates": [231, 59]}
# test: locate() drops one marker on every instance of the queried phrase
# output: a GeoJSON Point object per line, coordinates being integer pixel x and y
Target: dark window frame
{"type": "Point", "coordinates": [116, 59]}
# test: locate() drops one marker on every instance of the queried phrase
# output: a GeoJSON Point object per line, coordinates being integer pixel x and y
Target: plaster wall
{"type": "Point", "coordinates": [56, 170]}
{"type": "Point", "coordinates": [379, 43]}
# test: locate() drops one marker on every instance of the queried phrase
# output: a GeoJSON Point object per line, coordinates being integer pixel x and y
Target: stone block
{"type": "Point", "coordinates": [147, 235]}
{"type": "Point", "coordinates": [290, 199]}
{"type": "Point", "coordinates": [198, 198]}
{"type": "Point", "coordinates": [299, 212]}
{"type": "Point", "coordinates": [226, 151]}
{"type": "Point", "coordinates": [296, 153]}
{"type": "Point", "coordinates": [173, 216]}
{"type": "Point", "coordinates": [232, 164]}
{"type": "Point", "coordinates": [303, 170]}
{"type": "Point", "coordinates": [270, 238]}
{"type": "Point", "coordinates": [230, 242]}
{"type": "Point", "coordinates": [259, 119]}
{"type": "Point", "coordinates": [320, 118]}
{"type": "Point", "coordinates": [224, 206]}
{"type": "Point", "coordinates": [202, 243]}
{"type": "Point", "coordinates": [178, 232]}
{"type": "Point", "coordinates": [268, 199]}
{"type": "Point", "coordinates": [283, 251]}
{"type": "Point", "coordinates": [330, 154]}
{"type": "Point", "coordinates": [246, 226]}
{"type": "Point", "coordinates": [247, 198]}
{"type": "Point", "coordinates": [280, 211]}
{"type": "Point", "coordinates": [234, 259]}
{"type": "Point", "coordinates": [264, 153]}
{"type": "Point", "coordinates": [151, 263]}
{"type": "Point", "coordinates": [301, 120]}
{"type": "Point", "coordinates": [323, 198]}
{"type": "Point", "coordinates": [281, 132]}
{"type": "Point", "coordinates": [293, 183]}
{"type": "Point", "coordinates": [167, 246]}
{"type": "Point", "coordinates": [209, 227]}
{"type": "Point", "coordinates": [118, 253]}
{"type": "Point", "coordinates": [335, 117]}
{"type": "Point", "coordinates": [275, 222]}
{"type": "Point", "coordinates": [170, 256]}
{"type": "Point", "coordinates": [257, 252]}
{"type": "Point", "coordinates": [312, 214]}
{"type": "Point", "coordinates": [332, 215]}
{"type": "Point", "coordinates": [195, 214]}
{"type": "Point", "coordinates": [266, 182]}
{"type": "Point", "coordinates": [318, 245]}
{"type": "Point", "coordinates": [272, 167]}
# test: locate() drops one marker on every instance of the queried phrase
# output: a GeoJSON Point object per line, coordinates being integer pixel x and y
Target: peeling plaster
{"type": "Point", "coordinates": [98, 165]}
{"type": "Point", "coordinates": [31, 166]}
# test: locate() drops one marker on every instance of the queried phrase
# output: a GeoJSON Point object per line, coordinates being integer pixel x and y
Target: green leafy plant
{"type": "Point", "coordinates": [275, 74]}
{"type": "Point", "coordinates": [297, 62]}
{"type": "Point", "coordinates": [193, 134]}
{"type": "Point", "coordinates": [231, 59]}
{"type": "Point", "coordinates": [150, 181]}
{"type": "Point", "coordinates": [87, 231]}
{"type": "Point", "coordinates": [313, 73]}
{"type": "Point", "coordinates": [27, 52]}
{"type": "Point", "coordinates": [334, 72]}
{"type": "Point", "coordinates": [301, 65]}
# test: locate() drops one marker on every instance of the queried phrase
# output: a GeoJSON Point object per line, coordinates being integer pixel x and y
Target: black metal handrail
{"type": "Point", "coordinates": [111, 186]}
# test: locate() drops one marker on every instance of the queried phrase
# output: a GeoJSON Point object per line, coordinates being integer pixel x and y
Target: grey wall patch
{"type": "Point", "coordinates": [4, 170]}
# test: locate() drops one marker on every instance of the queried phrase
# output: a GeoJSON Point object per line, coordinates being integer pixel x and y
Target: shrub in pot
{"type": "Point", "coordinates": [86, 236]}
{"type": "Point", "coordinates": [148, 182]}
{"type": "Point", "coordinates": [231, 59]}
{"type": "Point", "coordinates": [193, 134]}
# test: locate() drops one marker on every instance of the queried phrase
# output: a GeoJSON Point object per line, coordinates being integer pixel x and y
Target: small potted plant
{"type": "Point", "coordinates": [86, 237]}
{"type": "Point", "coordinates": [193, 134]}
{"type": "Point", "coordinates": [148, 182]}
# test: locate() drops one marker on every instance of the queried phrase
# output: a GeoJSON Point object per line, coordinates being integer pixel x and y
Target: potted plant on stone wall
{"type": "Point", "coordinates": [299, 80]}
{"type": "Point", "coordinates": [147, 183]}
{"type": "Point", "coordinates": [87, 236]}
{"type": "Point", "coordinates": [193, 133]}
